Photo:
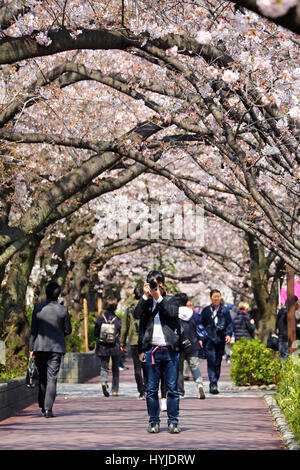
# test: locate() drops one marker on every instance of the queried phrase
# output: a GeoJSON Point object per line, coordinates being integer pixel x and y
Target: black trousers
{"type": "Point", "coordinates": [139, 371]}
{"type": "Point", "coordinates": [214, 353]}
{"type": "Point", "coordinates": [48, 364]}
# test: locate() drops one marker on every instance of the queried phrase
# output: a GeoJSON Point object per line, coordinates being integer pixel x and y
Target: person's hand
{"type": "Point", "coordinates": [31, 354]}
{"type": "Point", "coordinates": [156, 294]}
{"type": "Point", "coordinates": [201, 343]}
{"type": "Point", "coordinates": [141, 357]}
{"type": "Point", "coordinates": [252, 321]}
{"type": "Point", "coordinates": [227, 339]}
{"type": "Point", "coordinates": [147, 290]}
{"type": "Point", "coordinates": [123, 348]}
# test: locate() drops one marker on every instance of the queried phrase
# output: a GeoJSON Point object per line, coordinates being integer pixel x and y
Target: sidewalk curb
{"type": "Point", "coordinates": [284, 429]}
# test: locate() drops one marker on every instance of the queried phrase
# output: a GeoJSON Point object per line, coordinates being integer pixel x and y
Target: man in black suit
{"type": "Point", "coordinates": [50, 324]}
{"type": "Point", "coordinates": [159, 340]}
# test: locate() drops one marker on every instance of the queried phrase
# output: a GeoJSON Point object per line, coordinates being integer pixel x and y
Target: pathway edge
{"type": "Point", "coordinates": [284, 429]}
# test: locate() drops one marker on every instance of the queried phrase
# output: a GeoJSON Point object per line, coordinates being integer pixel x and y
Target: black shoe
{"type": "Point", "coordinates": [173, 428]}
{"type": "Point", "coordinates": [153, 428]}
{"type": "Point", "coordinates": [105, 389]}
{"type": "Point", "coordinates": [214, 390]}
{"type": "Point", "coordinates": [43, 411]}
{"type": "Point", "coordinates": [48, 414]}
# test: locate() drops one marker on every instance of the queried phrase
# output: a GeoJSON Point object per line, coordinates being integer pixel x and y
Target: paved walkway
{"type": "Point", "coordinates": [86, 420]}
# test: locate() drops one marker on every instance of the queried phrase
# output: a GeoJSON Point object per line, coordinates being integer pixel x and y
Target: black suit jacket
{"type": "Point", "coordinates": [168, 313]}
{"type": "Point", "coordinates": [50, 324]}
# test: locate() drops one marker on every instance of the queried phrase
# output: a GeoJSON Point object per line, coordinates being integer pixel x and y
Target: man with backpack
{"type": "Point", "coordinates": [107, 331]}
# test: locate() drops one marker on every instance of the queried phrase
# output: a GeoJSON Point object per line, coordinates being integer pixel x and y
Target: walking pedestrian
{"type": "Point", "coordinates": [130, 329]}
{"type": "Point", "coordinates": [159, 345]}
{"type": "Point", "coordinates": [243, 325]}
{"type": "Point", "coordinates": [190, 353]}
{"type": "Point", "coordinates": [215, 330]}
{"type": "Point", "coordinates": [281, 326]}
{"type": "Point", "coordinates": [231, 308]}
{"type": "Point", "coordinates": [49, 326]}
{"type": "Point", "coordinates": [107, 331]}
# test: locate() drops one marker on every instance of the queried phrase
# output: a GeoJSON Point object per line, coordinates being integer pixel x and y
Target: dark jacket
{"type": "Point", "coordinates": [207, 328]}
{"type": "Point", "coordinates": [242, 328]}
{"type": "Point", "coordinates": [168, 314]}
{"type": "Point", "coordinates": [189, 322]}
{"type": "Point", "coordinates": [130, 328]}
{"type": "Point", "coordinates": [49, 326]}
{"type": "Point", "coordinates": [108, 349]}
{"type": "Point", "coordinates": [281, 325]}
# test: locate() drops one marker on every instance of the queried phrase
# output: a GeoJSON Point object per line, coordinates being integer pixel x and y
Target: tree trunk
{"type": "Point", "coordinates": [265, 291]}
{"type": "Point", "coordinates": [13, 298]}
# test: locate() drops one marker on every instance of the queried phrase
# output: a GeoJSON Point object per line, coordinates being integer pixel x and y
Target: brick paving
{"type": "Point", "coordinates": [85, 420]}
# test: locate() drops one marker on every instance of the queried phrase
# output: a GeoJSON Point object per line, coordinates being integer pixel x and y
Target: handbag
{"type": "Point", "coordinates": [273, 341]}
{"type": "Point", "coordinates": [32, 376]}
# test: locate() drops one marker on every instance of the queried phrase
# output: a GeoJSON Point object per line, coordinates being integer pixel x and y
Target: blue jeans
{"type": "Point", "coordinates": [165, 362]}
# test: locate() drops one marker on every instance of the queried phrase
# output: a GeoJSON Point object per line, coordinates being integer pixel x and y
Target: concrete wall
{"type": "Point", "coordinates": [75, 368]}
{"type": "Point", "coordinates": [14, 396]}
{"type": "Point", "coordinates": [78, 368]}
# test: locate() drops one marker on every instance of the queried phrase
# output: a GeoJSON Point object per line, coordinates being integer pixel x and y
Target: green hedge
{"type": "Point", "coordinates": [288, 393]}
{"type": "Point", "coordinates": [252, 363]}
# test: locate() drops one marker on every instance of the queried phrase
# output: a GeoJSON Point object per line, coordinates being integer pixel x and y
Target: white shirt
{"type": "Point", "coordinates": [157, 337]}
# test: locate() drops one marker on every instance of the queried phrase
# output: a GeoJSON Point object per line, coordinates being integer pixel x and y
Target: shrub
{"type": "Point", "coordinates": [253, 363]}
{"type": "Point", "coordinates": [288, 393]}
{"type": "Point", "coordinates": [75, 341]}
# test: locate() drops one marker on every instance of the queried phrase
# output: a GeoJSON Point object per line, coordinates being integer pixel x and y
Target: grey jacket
{"type": "Point", "coordinates": [50, 324]}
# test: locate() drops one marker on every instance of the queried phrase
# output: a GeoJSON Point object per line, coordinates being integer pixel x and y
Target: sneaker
{"type": "Point", "coordinates": [115, 394]}
{"type": "Point", "coordinates": [201, 392]}
{"type": "Point", "coordinates": [173, 428]}
{"type": "Point", "coordinates": [163, 404]}
{"type": "Point", "coordinates": [105, 389]}
{"type": "Point", "coordinates": [153, 428]}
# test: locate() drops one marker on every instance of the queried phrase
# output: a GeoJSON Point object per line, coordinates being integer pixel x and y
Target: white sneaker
{"type": "Point", "coordinates": [163, 404]}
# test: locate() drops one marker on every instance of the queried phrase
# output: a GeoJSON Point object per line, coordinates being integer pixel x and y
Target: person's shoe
{"type": "Point", "coordinates": [173, 428]}
{"type": "Point", "coordinates": [214, 390]}
{"type": "Point", "coordinates": [43, 411]}
{"type": "Point", "coordinates": [153, 428]}
{"type": "Point", "coordinates": [201, 392]}
{"type": "Point", "coordinates": [115, 394]}
{"type": "Point", "coordinates": [105, 389]}
{"type": "Point", "coordinates": [141, 397]}
{"type": "Point", "coordinates": [48, 414]}
{"type": "Point", "coordinates": [163, 404]}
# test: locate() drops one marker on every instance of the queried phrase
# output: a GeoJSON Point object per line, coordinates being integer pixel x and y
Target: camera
{"type": "Point", "coordinates": [153, 285]}
{"type": "Point", "coordinates": [220, 328]}
{"type": "Point", "coordinates": [186, 344]}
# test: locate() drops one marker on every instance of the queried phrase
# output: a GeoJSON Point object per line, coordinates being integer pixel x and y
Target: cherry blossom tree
{"type": "Point", "coordinates": [199, 98]}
